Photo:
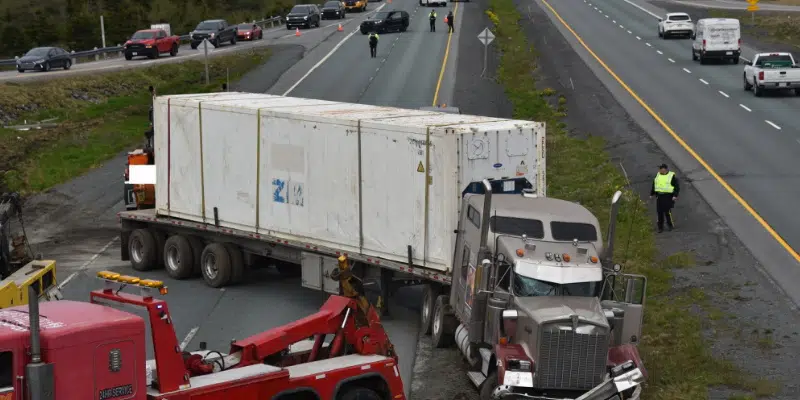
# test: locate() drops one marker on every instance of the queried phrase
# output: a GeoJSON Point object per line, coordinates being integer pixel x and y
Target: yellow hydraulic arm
{"type": "Point", "coordinates": [39, 274]}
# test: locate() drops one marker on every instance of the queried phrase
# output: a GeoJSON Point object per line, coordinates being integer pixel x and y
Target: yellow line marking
{"type": "Point", "coordinates": [444, 62]}
{"type": "Point", "coordinates": [677, 138]}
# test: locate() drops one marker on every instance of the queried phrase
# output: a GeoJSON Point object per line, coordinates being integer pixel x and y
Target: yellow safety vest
{"type": "Point", "coordinates": [663, 183]}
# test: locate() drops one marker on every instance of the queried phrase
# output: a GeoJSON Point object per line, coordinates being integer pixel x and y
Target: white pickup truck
{"type": "Point", "coordinates": [772, 71]}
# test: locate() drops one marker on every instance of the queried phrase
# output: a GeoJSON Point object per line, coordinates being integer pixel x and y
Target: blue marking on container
{"type": "Point", "coordinates": [498, 165]}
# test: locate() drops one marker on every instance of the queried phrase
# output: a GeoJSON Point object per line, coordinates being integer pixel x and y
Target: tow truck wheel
{"type": "Point", "coordinates": [426, 313]}
{"type": "Point", "coordinates": [444, 323]}
{"type": "Point", "coordinates": [237, 263]}
{"type": "Point", "coordinates": [216, 265]}
{"type": "Point", "coordinates": [143, 250]}
{"type": "Point", "coordinates": [359, 393]}
{"type": "Point", "coordinates": [488, 386]}
{"type": "Point", "coordinates": [178, 257]}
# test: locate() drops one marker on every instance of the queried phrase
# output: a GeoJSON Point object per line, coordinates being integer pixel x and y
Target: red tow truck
{"type": "Point", "coordinates": [151, 43]}
{"type": "Point", "coordinates": [65, 350]}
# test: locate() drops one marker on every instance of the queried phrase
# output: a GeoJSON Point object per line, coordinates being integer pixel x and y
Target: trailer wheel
{"type": "Point", "coordinates": [237, 263]}
{"type": "Point", "coordinates": [197, 254]}
{"type": "Point", "coordinates": [178, 257]}
{"type": "Point", "coordinates": [143, 250]}
{"type": "Point", "coordinates": [488, 386]}
{"type": "Point", "coordinates": [444, 323]}
{"type": "Point", "coordinates": [426, 313]}
{"type": "Point", "coordinates": [359, 393]}
{"type": "Point", "coordinates": [216, 265]}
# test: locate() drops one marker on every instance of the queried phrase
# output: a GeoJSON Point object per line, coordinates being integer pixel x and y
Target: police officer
{"type": "Point", "coordinates": [666, 189]}
{"type": "Point", "coordinates": [450, 22]}
{"type": "Point", "coordinates": [432, 17]}
{"type": "Point", "coordinates": [373, 44]}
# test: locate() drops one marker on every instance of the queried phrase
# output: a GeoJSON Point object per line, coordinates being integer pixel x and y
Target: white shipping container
{"type": "Point", "coordinates": [340, 175]}
{"type": "Point", "coordinates": [165, 27]}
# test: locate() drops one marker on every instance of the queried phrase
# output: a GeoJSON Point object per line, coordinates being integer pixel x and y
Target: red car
{"type": "Point", "coordinates": [151, 43]}
{"type": "Point", "coordinates": [249, 32]}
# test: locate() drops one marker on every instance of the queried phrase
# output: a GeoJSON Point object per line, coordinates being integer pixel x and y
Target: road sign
{"type": "Point", "coordinates": [207, 48]}
{"type": "Point", "coordinates": [752, 8]}
{"type": "Point", "coordinates": [753, 2]}
{"type": "Point", "coordinates": [486, 36]}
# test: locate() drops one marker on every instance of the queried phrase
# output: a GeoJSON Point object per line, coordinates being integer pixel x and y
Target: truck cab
{"type": "Point", "coordinates": [533, 296]}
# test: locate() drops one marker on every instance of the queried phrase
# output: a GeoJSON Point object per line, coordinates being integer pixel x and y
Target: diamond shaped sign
{"type": "Point", "coordinates": [486, 36]}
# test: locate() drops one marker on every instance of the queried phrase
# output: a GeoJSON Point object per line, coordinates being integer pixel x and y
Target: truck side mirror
{"type": "Point", "coordinates": [509, 322]}
{"type": "Point", "coordinates": [635, 289]}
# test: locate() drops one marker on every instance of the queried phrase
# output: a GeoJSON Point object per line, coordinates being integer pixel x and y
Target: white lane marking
{"type": "Point", "coordinates": [87, 263]}
{"type": "Point", "coordinates": [648, 44]}
{"type": "Point", "coordinates": [745, 107]}
{"type": "Point", "coordinates": [622, 26]}
{"type": "Point", "coordinates": [630, 33]}
{"type": "Point", "coordinates": [613, 21]}
{"type": "Point", "coordinates": [595, 8]}
{"type": "Point", "coordinates": [659, 52]}
{"type": "Point", "coordinates": [189, 337]}
{"type": "Point", "coordinates": [773, 124]}
{"type": "Point", "coordinates": [798, 141]}
{"type": "Point", "coordinates": [723, 93]}
{"type": "Point", "coordinates": [687, 71]}
{"type": "Point", "coordinates": [652, 14]}
{"type": "Point", "coordinates": [638, 38]}
{"type": "Point", "coordinates": [671, 60]}
{"type": "Point", "coordinates": [330, 53]}
{"type": "Point", "coordinates": [704, 81]}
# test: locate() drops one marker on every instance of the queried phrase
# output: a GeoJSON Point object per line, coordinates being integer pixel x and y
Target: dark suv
{"type": "Point", "coordinates": [217, 31]}
{"type": "Point", "coordinates": [306, 15]}
{"type": "Point", "coordinates": [386, 21]}
{"type": "Point", "coordinates": [333, 10]}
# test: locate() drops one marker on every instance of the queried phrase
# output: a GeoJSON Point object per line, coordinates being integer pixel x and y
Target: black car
{"type": "Point", "coordinates": [43, 59]}
{"type": "Point", "coordinates": [217, 31]}
{"type": "Point", "coordinates": [333, 10]}
{"type": "Point", "coordinates": [306, 15]}
{"type": "Point", "coordinates": [386, 21]}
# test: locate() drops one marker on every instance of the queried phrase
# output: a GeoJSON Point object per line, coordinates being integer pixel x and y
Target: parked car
{"type": "Point", "coordinates": [44, 59]}
{"type": "Point", "coordinates": [306, 15]}
{"type": "Point", "coordinates": [245, 31]}
{"type": "Point", "coordinates": [360, 5]}
{"type": "Point", "coordinates": [333, 10]}
{"type": "Point", "coordinates": [217, 31]}
{"type": "Point", "coordinates": [151, 43]}
{"type": "Point", "coordinates": [386, 21]}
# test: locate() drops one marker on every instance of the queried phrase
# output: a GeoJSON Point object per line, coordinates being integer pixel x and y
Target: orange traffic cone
{"type": "Point", "coordinates": [297, 32]}
{"type": "Point", "coordinates": [340, 29]}
{"type": "Point", "coordinates": [445, 20]}
{"type": "Point", "coordinates": [389, 1]}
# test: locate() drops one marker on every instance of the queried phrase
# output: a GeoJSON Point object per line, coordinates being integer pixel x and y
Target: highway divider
{"type": "Point", "coordinates": [116, 51]}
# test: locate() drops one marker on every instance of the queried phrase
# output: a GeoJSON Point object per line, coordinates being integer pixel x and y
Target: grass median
{"type": "Point", "coordinates": [98, 116]}
{"type": "Point", "coordinates": [769, 26]}
{"type": "Point", "coordinates": [676, 355]}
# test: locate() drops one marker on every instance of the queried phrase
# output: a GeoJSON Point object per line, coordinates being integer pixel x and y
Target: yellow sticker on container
{"type": "Point", "coordinates": [420, 167]}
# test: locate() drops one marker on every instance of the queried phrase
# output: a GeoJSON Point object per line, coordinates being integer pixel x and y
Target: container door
{"type": "Point", "coordinates": [316, 272]}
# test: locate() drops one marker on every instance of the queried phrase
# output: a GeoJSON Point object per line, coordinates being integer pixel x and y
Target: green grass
{"type": "Point", "coordinates": [769, 26]}
{"type": "Point", "coordinates": [99, 116]}
{"type": "Point", "coordinates": [676, 355]}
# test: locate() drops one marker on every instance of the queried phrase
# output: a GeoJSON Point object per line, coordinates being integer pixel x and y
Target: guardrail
{"type": "Point", "coordinates": [96, 53]}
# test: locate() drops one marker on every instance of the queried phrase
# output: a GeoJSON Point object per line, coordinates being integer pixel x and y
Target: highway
{"type": "Point", "coordinates": [738, 150]}
{"type": "Point", "coordinates": [735, 5]}
{"type": "Point", "coordinates": [75, 223]}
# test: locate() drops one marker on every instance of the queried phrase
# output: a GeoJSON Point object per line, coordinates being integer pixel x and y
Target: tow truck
{"type": "Point", "coordinates": [65, 350]}
{"type": "Point", "coordinates": [19, 268]}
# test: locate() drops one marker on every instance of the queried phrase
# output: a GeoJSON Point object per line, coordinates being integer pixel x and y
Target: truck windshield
{"type": "Point", "coordinates": [299, 10]}
{"type": "Point", "coordinates": [207, 26]}
{"type": "Point", "coordinates": [775, 61]}
{"type": "Point", "coordinates": [533, 228]}
{"type": "Point", "coordinates": [530, 287]}
{"type": "Point", "coordinates": [143, 35]}
{"type": "Point", "coordinates": [568, 231]}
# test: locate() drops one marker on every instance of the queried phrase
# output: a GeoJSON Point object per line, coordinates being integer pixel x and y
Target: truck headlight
{"type": "Point", "coordinates": [518, 365]}
{"type": "Point", "coordinates": [306, 17]}
{"type": "Point", "coordinates": [212, 34]}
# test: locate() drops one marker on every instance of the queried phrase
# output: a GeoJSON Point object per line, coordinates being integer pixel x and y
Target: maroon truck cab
{"type": "Point", "coordinates": [151, 43]}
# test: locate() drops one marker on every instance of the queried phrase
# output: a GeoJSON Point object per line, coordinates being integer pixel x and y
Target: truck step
{"type": "Point", "coordinates": [476, 377]}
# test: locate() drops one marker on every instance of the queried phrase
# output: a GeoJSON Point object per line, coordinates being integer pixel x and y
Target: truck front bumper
{"type": "Point", "coordinates": [624, 383]}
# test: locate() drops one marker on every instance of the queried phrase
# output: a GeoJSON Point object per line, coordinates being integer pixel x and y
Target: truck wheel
{"type": "Point", "coordinates": [178, 257]}
{"type": "Point", "coordinates": [444, 323]}
{"type": "Point", "coordinates": [143, 250]}
{"type": "Point", "coordinates": [359, 393]}
{"type": "Point", "coordinates": [426, 313]}
{"type": "Point", "coordinates": [174, 50]}
{"type": "Point", "coordinates": [735, 60]}
{"type": "Point", "coordinates": [216, 265]}
{"type": "Point", "coordinates": [747, 85]}
{"type": "Point", "coordinates": [194, 46]}
{"type": "Point", "coordinates": [756, 91]}
{"type": "Point", "coordinates": [237, 263]}
{"type": "Point", "coordinates": [488, 386]}
{"type": "Point", "coordinates": [197, 253]}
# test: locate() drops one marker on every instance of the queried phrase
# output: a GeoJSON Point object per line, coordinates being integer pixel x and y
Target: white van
{"type": "Point", "coordinates": [717, 38]}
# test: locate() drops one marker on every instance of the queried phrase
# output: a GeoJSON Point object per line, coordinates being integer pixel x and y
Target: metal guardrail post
{"type": "Point", "coordinates": [74, 59]}
{"type": "Point", "coordinates": [120, 50]}
{"type": "Point", "coordinates": [96, 54]}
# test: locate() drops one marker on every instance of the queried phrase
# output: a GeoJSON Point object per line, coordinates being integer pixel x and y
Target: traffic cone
{"type": "Point", "coordinates": [340, 29]}
{"type": "Point", "coordinates": [297, 32]}
{"type": "Point", "coordinates": [389, 1]}
{"type": "Point", "coordinates": [445, 20]}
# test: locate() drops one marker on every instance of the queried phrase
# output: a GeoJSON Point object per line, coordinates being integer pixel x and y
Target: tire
{"type": "Point", "coordinates": [260, 35]}
{"type": "Point", "coordinates": [197, 253]}
{"type": "Point", "coordinates": [194, 46]}
{"type": "Point", "coordinates": [46, 66]}
{"type": "Point", "coordinates": [661, 35]}
{"type": "Point", "coordinates": [403, 28]}
{"type": "Point", "coordinates": [363, 32]}
{"type": "Point", "coordinates": [215, 264]}
{"type": "Point", "coordinates": [237, 263]}
{"type": "Point", "coordinates": [735, 60]}
{"type": "Point", "coordinates": [178, 257]}
{"type": "Point", "coordinates": [694, 56]}
{"type": "Point", "coordinates": [702, 60]}
{"type": "Point", "coordinates": [444, 323]}
{"type": "Point", "coordinates": [174, 50]}
{"type": "Point", "coordinates": [68, 65]}
{"type": "Point", "coordinates": [488, 386]}
{"type": "Point", "coordinates": [20, 70]}
{"type": "Point", "coordinates": [747, 85]}
{"type": "Point", "coordinates": [359, 393]}
{"type": "Point", "coordinates": [233, 40]}
{"type": "Point", "coordinates": [756, 91]}
{"type": "Point", "coordinates": [143, 250]}
{"type": "Point", "coordinates": [288, 28]}
{"type": "Point", "coordinates": [426, 313]}
{"type": "Point", "coordinates": [797, 92]}
{"type": "Point", "coordinates": [216, 43]}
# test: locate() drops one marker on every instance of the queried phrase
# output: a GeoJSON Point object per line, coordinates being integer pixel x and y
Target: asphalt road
{"type": "Point", "coordinates": [75, 223]}
{"type": "Point", "coordinates": [750, 142]}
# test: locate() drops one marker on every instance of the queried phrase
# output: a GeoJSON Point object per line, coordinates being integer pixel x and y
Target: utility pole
{"type": "Point", "coordinates": [103, 33]}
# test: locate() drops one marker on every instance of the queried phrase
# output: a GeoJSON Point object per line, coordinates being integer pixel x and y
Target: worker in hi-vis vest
{"type": "Point", "coordinates": [432, 17]}
{"type": "Point", "coordinates": [373, 44]}
{"type": "Point", "coordinates": [666, 190]}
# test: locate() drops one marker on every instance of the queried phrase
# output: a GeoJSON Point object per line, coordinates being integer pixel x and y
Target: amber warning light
{"type": "Point", "coordinates": [141, 175]}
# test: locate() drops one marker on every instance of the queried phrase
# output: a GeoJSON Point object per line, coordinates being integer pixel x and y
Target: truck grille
{"type": "Point", "coordinates": [571, 361]}
{"type": "Point", "coordinates": [200, 36]}
{"type": "Point", "coordinates": [136, 46]}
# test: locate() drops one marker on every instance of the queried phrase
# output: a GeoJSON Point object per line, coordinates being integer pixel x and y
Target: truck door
{"type": "Point", "coordinates": [625, 295]}
{"type": "Point", "coordinates": [467, 243]}
{"type": "Point", "coordinates": [7, 374]}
